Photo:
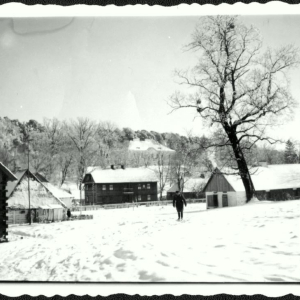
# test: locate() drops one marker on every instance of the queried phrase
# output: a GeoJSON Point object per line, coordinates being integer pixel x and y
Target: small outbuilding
{"type": "Point", "coordinates": [29, 200]}
{"type": "Point", "coordinates": [271, 182]}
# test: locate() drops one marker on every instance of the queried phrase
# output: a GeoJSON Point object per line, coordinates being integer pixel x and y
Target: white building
{"type": "Point", "coordinates": [271, 182]}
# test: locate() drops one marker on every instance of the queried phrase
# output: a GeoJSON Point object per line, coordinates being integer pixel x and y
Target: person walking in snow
{"type": "Point", "coordinates": [69, 213]}
{"type": "Point", "coordinates": [178, 201]}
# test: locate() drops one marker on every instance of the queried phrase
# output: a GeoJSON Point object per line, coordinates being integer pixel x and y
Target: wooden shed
{"type": "Point", "coordinates": [24, 206]}
{"type": "Point", "coordinates": [271, 182]}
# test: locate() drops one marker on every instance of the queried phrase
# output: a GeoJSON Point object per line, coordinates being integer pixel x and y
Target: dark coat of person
{"type": "Point", "coordinates": [69, 213]}
{"type": "Point", "coordinates": [179, 201]}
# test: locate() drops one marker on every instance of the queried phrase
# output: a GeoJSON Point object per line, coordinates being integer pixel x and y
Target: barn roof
{"type": "Point", "coordinates": [35, 201]}
{"type": "Point", "coordinates": [10, 176]}
{"type": "Point", "coordinates": [11, 185]}
{"type": "Point", "coordinates": [138, 145]}
{"type": "Point", "coordinates": [57, 192]}
{"type": "Point", "coordinates": [271, 177]}
{"type": "Point", "coordinates": [190, 186]}
{"type": "Point", "coordinates": [122, 175]}
{"type": "Point", "coordinates": [40, 177]}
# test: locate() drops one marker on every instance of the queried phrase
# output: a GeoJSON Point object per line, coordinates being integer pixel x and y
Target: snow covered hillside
{"type": "Point", "coordinates": [258, 242]}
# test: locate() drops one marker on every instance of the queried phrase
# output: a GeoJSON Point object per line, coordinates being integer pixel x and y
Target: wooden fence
{"type": "Point", "coordinates": [135, 204]}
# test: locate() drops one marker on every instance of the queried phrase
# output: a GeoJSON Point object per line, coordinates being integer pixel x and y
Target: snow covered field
{"type": "Point", "coordinates": [258, 242]}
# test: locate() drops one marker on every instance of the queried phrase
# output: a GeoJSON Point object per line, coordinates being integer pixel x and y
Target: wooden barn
{"type": "Point", "coordinates": [119, 185]}
{"type": "Point", "coordinates": [44, 206]}
{"type": "Point", "coordinates": [271, 182]}
{"type": "Point", "coordinates": [193, 189]}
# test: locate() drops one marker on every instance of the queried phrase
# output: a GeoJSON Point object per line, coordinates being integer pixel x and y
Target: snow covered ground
{"type": "Point", "coordinates": [258, 242]}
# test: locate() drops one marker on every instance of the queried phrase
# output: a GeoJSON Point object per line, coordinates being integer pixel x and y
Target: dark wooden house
{"type": "Point", "coordinates": [5, 176]}
{"type": "Point", "coordinates": [120, 185]}
{"type": "Point", "coordinates": [271, 182]}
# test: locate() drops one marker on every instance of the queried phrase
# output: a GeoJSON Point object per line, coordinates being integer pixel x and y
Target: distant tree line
{"type": "Point", "coordinates": [63, 150]}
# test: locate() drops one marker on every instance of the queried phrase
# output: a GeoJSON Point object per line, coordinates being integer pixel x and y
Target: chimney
{"type": "Point", "coordinates": [123, 167]}
{"type": "Point", "coordinates": [263, 164]}
{"type": "Point", "coordinates": [112, 167]}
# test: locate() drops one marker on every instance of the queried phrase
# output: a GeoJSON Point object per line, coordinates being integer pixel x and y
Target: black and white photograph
{"type": "Point", "coordinates": [162, 149]}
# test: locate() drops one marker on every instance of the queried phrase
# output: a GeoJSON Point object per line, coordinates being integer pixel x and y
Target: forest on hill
{"type": "Point", "coordinates": [62, 150]}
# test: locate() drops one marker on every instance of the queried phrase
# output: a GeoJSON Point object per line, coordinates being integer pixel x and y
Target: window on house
{"type": "Point", "coordinates": [139, 187]}
{"type": "Point", "coordinates": [103, 187]}
{"type": "Point", "coordinates": [148, 197]}
{"type": "Point", "coordinates": [139, 198]}
{"type": "Point", "coordinates": [111, 187]}
{"type": "Point", "coordinates": [148, 186]}
{"type": "Point", "coordinates": [144, 186]}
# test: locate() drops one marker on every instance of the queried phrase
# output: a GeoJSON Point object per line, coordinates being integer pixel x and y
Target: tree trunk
{"type": "Point", "coordinates": [241, 162]}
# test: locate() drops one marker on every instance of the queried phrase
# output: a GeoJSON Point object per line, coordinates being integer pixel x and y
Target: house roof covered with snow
{"type": "Point", "coordinates": [11, 185]}
{"type": "Point", "coordinates": [121, 175]}
{"type": "Point", "coordinates": [9, 175]}
{"type": "Point", "coordinates": [17, 192]}
{"type": "Point", "coordinates": [147, 145]}
{"type": "Point", "coordinates": [57, 192]}
{"type": "Point", "coordinates": [271, 177]}
{"type": "Point", "coordinates": [190, 186]}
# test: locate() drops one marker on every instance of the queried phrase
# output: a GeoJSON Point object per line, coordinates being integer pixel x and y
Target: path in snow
{"type": "Point", "coordinates": [256, 242]}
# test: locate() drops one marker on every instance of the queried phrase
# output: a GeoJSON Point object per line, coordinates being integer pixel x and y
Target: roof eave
{"type": "Point", "coordinates": [8, 174]}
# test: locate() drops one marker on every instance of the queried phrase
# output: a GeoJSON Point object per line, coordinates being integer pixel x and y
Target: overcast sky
{"type": "Point", "coordinates": [117, 69]}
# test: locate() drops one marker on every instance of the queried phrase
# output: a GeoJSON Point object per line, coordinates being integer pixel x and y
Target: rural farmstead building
{"type": "Point", "coordinates": [43, 204]}
{"type": "Point", "coordinates": [271, 182]}
{"type": "Point", "coordinates": [148, 146]}
{"type": "Point", "coordinates": [119, 185]}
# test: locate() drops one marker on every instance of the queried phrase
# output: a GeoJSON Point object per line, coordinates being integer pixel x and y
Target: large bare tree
{"type": "Point", "coordinates": [162, 168]}
{"type": "Point", "coordinates": [185, 161]}
{"type": "Point", "coordinates": [82, 134]}
{"type": "Point", "coordinates": [237, 87]}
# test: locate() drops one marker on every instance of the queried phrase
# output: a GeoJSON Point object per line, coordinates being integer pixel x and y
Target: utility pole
{"type": "Point", "coordinates": [80, 203]}
{"type": "Point", "coordinates": [28, 184]}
